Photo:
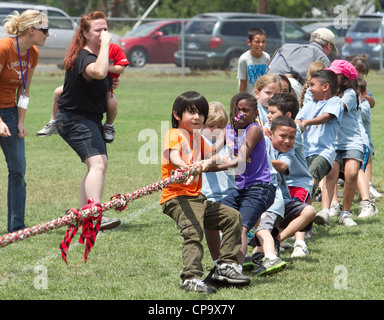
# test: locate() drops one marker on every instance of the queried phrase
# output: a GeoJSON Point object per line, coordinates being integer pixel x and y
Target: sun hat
{"type": "Point", "coordinates": [344, 67]}
{"type": "Point", "coordinates": [326, 35]}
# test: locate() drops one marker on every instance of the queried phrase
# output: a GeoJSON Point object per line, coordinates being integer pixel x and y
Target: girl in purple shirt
{"type": "Point", "coordinates": [246, 145]}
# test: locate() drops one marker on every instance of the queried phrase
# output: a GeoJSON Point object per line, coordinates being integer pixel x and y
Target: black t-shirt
{"type": "Point", "coordinates": [80, 96]}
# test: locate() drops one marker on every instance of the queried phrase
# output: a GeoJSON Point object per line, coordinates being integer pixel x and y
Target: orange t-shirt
{"type": "Point", "coordinates": [10, 76]}
{"type": "Point", "coordinates": [192, 149]}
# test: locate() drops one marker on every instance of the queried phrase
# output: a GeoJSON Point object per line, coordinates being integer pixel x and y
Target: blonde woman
{"type": "Point", "coordinates": [18, 59]}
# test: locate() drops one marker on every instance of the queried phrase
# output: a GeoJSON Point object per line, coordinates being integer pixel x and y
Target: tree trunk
{"type": "Point", "coordinates": [263, 6]}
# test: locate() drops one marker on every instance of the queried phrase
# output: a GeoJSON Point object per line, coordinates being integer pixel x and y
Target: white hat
{"type": "Point", "coordinates": [326, 35]}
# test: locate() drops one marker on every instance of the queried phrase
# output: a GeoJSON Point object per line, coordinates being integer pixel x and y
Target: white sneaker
{"type": "Point", "coordinates": [373, 192]}
{"type": "Point", "coordinates": [48, 130]}
{"type": "Point", "coordinates": [346, 219]}
{"type": "Point", "coordinates": [322, 218]}
{"type": "Point", "coordinates": [367, 209]}
{"type": "Point", "coordinates": [300, 250]}
{"type": "Point", "coordinates": [334, 210]}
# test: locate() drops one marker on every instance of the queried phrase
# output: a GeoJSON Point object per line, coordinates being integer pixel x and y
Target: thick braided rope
{"type": "Point", "coordinates": [118, 202]}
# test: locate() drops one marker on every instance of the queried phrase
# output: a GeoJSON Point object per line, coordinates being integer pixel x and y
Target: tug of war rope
{"type": "Point", "coordinates": [89, 217]}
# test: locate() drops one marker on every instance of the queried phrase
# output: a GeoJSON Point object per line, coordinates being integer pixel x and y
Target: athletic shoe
{"type": "Point", "coordinates": [108, 134]}
{"type": "Point", "coordinates": [300, 250]}
{"type": "Point", "coordinates": [109, 223]}
{"type": "Point", "coordinates": [197, 285]}
{"type": "Point", "coordinates": [230, 274]}
{"type": "Point", "coordinates": [367, 209]}
{"type": "Point", "coordinates": [257, 259]}
{"type": "Point", "coordinates": [248, 264]}
{"type": "Point", "coordinates": [373, 192]}
{"type": "Point", "coordinates": [334, 210]}
{"type": "Point", "coordinates": [322, 218]}
{"type": "Point", "coordinates": [270, 266]}
{"type": "Point", "coordinates": [48, 130]}
{"type": "Point", "coordinates": [346, 219]}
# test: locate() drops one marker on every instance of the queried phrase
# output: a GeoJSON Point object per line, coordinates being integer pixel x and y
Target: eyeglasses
{"type": "Point", "coordinates": [44, 30]}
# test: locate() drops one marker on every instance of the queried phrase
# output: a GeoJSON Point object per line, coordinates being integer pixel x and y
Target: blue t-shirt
{"type": "Point", "coordinates": [366, 117]}
{"type": "Point", "coordinates": [319, 139]}
{"type": "Point", "coordinates": [217, 185]}
{"type": "Point", "coordinates": [278, 205]}
{"type": "Point", "coordinates": [298, 175]}
{"type": "Point", "coordinates": [349, 135]}
{"type": "Point", "coordinates": [263, 112]}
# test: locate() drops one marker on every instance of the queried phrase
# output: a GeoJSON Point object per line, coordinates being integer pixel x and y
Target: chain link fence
{"type": "Point", "coordinates": [216, 43]}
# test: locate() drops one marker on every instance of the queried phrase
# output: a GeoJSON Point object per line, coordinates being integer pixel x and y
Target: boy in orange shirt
{"type": "Point", "coordinates": [184, 146]}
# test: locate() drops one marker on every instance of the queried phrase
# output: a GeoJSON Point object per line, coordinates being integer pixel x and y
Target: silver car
{"type": "Point", "coordinates": [61, 30]}
{"type": "Point", "coordinates": [364, 36]}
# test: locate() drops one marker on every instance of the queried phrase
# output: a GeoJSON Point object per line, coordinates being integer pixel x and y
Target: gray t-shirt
{"type": "Point", "coordinates": [251, 69]}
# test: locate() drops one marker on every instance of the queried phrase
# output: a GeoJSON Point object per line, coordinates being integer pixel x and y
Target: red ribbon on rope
{"type": "Point", "coordinates": [91, 227]}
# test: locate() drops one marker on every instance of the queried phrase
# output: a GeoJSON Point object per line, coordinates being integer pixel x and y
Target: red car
{"type": "Point", "coordinates": [153, 42]}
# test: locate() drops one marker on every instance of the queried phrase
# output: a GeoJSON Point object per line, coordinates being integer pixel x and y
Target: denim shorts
{"type": "Point", "coordinates": [342, 155]}
{"type": "Point", "coordinates": [251, 202]}
{"type": "Point", "coordinates": [83, 135]}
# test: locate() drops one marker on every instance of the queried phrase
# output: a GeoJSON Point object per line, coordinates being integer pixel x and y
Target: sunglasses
{"type": "Point", "coordinates": [44, 30]}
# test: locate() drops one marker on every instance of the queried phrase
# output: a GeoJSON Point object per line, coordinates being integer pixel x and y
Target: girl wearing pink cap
{"type": "Point", "coordinates": [348, 144]}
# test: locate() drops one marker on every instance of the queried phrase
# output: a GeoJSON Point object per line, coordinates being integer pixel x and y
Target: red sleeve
{"type": "Point", "coordinates": [116, 54]}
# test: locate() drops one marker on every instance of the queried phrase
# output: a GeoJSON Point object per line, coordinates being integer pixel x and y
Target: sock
{"type": "Point", "coordinates": [302, 242]}
{"type": "Point", "coordinates": [108, 125]}
{"type": "Point", "coordinates": [344, 212]}
{"type": "Point", "coordinates": [271, 256]}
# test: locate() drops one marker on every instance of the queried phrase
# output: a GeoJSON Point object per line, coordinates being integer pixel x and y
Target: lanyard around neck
{"type": "Point", "coordinates": [21, 67]}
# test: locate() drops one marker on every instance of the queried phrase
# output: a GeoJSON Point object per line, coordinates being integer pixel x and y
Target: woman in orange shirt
{"type": "Point", "coordinates": [18, 59]}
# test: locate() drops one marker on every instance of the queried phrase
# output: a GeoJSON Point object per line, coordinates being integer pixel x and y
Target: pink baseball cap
{"type": "Point", "coordinates": [344, 67]}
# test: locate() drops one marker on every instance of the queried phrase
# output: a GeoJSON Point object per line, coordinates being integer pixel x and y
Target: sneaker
{"type": "Point", "coordinates": [270, 266]}
{"type": "Point", "coordinates": [257, 259]}
{"type": "Point", "coordinates": [197, 285]}
{"type": "Point", "coordinates": [373, 192]}
{"type": "Point", "coordinates": [248, 264]}
{"type": "Point", "coordinates": [322, 218]}
{"type": "Point", "coordinates": [231, 274]}
{"type": "Point", "coordinates": [300, 250]}
{"type": "Point", "coordinates": [48, 130]}
{"type": "Point", "coordinates": [334, 210]}
{"type": "Point", "coordinates": [346, 219]}
{"type": "Point", "coordinates": [367, 209]}
{"type": "Point", "coordinates": [109, 134]}
{"type": "Point", "coordinates": [109, 223]}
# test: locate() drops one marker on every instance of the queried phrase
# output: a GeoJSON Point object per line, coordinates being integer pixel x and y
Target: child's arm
{"type": "Point", "coordinates": [254, 135]}
{"type": "Point", "coordinates": [243, 86]}
{"type": "Point", "coordinates": [175, 158]}
{"type": "Point", "coordinates": [324, 118]}
{"type": "Point", "coordinates": [118, 69]}
{"type": "Point", "coordinates": [279, 165]}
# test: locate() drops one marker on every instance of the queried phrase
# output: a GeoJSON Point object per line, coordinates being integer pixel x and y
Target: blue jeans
{"type": "Point", "coordinates": [14, 151]}
{"type": "Point", "coordinates": [251, 202]}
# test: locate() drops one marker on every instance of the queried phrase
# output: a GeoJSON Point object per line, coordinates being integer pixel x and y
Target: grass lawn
{"type": "Point", "coordinates": [142, 258]}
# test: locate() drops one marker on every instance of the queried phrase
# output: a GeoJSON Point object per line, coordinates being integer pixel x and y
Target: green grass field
{"type": "Point", "coordinates": [142, 258]}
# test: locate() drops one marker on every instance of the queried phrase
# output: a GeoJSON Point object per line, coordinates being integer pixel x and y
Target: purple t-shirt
{"type": "Point", "coordinates": [256, 168]}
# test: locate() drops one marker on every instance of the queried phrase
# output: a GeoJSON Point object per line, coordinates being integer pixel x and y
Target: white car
{"type": "Point", "coordinates": [61, 30]}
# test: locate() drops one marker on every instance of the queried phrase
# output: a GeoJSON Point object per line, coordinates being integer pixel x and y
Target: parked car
{"type": "Point", "coordinates": [218, 39]}
{"type": "Point", "coordinates": [339, 35]}
{"type": "Point", "coordinates": [364, 37]}
{"type": "Point", "coordinates": [153, 42]}
{"type": "Point", "coordinates": [61, 30]}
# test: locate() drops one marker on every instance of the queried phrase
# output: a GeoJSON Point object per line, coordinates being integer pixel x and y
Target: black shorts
{"type": "Point", "coordinates": [83, 135]}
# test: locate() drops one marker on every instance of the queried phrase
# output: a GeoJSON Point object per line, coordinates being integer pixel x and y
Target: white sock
{"type": "Point", "coordinates": [271, 256]}
{"type": "Point", "coordinates": [108, 125]}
